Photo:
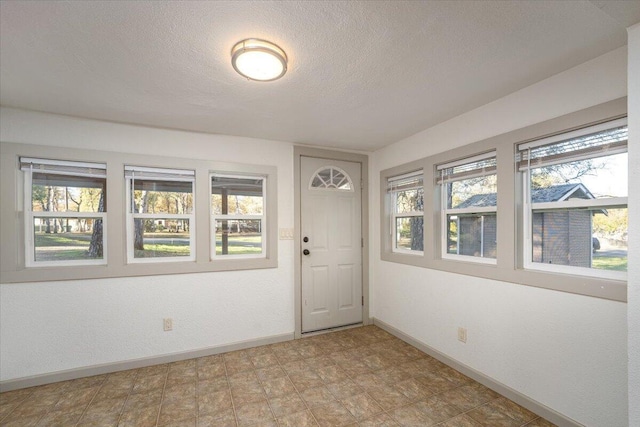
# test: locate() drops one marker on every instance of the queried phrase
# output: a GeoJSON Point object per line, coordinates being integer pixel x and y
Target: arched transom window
{"type": "Point", "coordinates": [331, 178]}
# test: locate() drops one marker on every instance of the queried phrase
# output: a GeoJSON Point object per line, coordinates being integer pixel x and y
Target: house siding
{"type": "Point", "coordinates": [562, 238]}
{"type": "Point", "coordinates": [472, 238]}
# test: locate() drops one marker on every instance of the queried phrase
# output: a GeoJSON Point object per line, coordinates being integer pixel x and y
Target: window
{"type": "Point", "coordinates": [331, 178]}
{"type": "Point", "coordinates": [65, 212]}
{"type": "Point", "coordinates": [56, 225]}
{"type": "Point", "coordinates": [406, 197]}
{"type": "Point", "coordinates": [469, 208]}
{"type": "Point", "coordinates": [575, 198]}
{"type": "Point", "coordinates": [160, 214]}
{"type": "Point", "coordinates": [238, 220]}
{"type": "Point", "coordinates": [543, 206]}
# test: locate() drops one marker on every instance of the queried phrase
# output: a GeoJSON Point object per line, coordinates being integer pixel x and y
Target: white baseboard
{"type": "Point", "coordinates": [519, 398]}
{"type": "Point", "coordinates": [106, 368]}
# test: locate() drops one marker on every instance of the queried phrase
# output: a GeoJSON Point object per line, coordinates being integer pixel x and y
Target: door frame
{"type": "Point", "coordinates": [363, 159]}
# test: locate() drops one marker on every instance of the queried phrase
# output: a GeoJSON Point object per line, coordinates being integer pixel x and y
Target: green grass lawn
{"type": "Point", "coordinates": [75, 246]}
{"type": "Point", "coordinates": [62, 239]}
{"type": "Point", "coordinates": [240, 244]}
{"type": "Point", "coordinates": [162, 250]}
{"type": "Point", "coordinates": [238, 250]}
{"type": "Point", "coordinates": [63, 255]}
{"type": "Point", "coordinates": [610, 263]}
{"type": "Point", "coordinates": [62, 246]}
{"type": "Point", "coordinates": [165, 235]}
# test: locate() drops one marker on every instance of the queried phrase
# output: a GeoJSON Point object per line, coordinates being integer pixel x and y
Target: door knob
{"type": "Point", "coordinates": [306, 239]}
{"type": "Point", "coordinates": [306, 252]}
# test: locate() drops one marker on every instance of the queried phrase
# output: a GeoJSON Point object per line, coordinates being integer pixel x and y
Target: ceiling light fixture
{"type": "Point", "coordinates": [259, 60]}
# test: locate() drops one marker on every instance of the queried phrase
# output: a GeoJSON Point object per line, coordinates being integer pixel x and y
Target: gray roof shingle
{"type": "Point", "coordinates": [538, 195]}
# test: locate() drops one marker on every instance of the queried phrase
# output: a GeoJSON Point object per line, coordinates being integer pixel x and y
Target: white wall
{"type": "Point", "coordinates": [52, 326]}
{"type": "Point", "coordinates": [566, 351]}
{"type": "Point", "coordinates": [633, 305]}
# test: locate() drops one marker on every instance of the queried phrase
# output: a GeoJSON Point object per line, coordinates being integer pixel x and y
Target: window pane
{"type": "Point", "coordinates": [67, 193]}
{"type": "Point", "coordinates": [585, 144]}
{"type": "Point", "coordinates": [332, 179]}
{"type": "Point", "coordinates": [159, 237]}
{"type": "Point", "coordinates": [238, 237]}
{"type": "Point", "coordinates": [472, 235]}
{"type": "Point", "coordinates": [325, 175]}
{"type": "Point", "coordinates": [473, 192]}
{"type": "Point", "coordinates": [409, 200]}
{"type": "Point", "coordinates": [318, 183]}
{"type": "Point", "coordinates": [596, 178]}
{"type": "Point", "coordinates": [485, 166]}
{"type": "Point", "coordinates": [237, 196]}
{"type": "Point", "coordinates": [409, 233]}
{"type": "Point", "coordinates": [581, 238]}
{"type": "Point", "coordinates": [170, 197]}
{"type": "Point", "coordinates": [67, 239]}
{"type": "Point", "coordinates": [338, 179]}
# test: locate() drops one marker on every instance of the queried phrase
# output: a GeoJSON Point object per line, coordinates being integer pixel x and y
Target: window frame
{"type": "Point", "coordinates": [529, 208]}
{"type": "Point", "coordinates": [175, 175]}
{"type": "Point", "coordinates": [230, 217]}
{"type": "Point", "coordinates": [30, 214]}
{"type": "Point", "coordinates": [330, 186]}
{"type": "Point", "coordinates": [394, 215]}
{"type": "Point", "coordinates": [510, 265]}
{"type": "Point", "coordinates": [13, 212]}
{"type": "Point", "coordinates": [446, 211]}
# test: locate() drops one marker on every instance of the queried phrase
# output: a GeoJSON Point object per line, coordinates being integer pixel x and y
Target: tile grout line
{"type": "Point", "coordinates": [124, 405]}
{"type": "Point", "coordinates": [226, 377]}
{"type": "Point", "coordinates": [197, 397]}
{"type": "Point", "coordinates": [91, 401]}
{"type": "Point", "coordinates": [306, 405]}
{"type": "Point", "coordinates": [20, 402]}
{"type": "Point", "coordinates": [164, 388]}
{"type": "Point", "coordinates": [275, 418]}
{"type": "Point", "coordinates": [46, 413]}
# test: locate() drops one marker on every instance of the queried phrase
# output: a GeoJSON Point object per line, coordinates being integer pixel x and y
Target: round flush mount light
{"type": "Point", "coordinates": [259, 60]}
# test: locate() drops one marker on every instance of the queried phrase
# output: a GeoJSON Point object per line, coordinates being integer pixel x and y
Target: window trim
{"type": "Point", "coordinates": [30, 214]}
{"type": "Point", "coordinates": [510, 233]}
{"type": "Point", "coordinates": [445, 211]}
{"type": "Point", "coordinates": [164, 174]}
{"type": "Point", "coordinates": [263, 218]}
{"type": "Point", "coordinates": [394, 216]}
{"type": "Point", "coordinates": [386, 246]}
{"type": "Point", "coordinates": [567, 205]}
{"type": "Point", "coordinates": [12, 210]}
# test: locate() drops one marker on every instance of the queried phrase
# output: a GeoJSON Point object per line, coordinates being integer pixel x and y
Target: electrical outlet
{"type": "Point", "coordinates": [462, 334]}
{"type": "Point", "coordinates": [168, 324]}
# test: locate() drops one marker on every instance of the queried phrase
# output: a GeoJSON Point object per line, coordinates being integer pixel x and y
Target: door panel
{"type": "Point", "coordinates": [345, 228]}
{"type": "Point", "coordinates": [331, 220]}
{"type": "Point", "coordinates": [319, 222]}
{"type": "Point", "coordinates": [345, 286]}
{"type": "Point", "coordinates": [320, 282]}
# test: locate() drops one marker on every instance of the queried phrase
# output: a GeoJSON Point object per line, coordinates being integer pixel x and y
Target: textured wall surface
{"type": "Point", "coordinates": [51, 326]}
{"type": "Point", "coordinates": [566, 351]}
{"type": "Point", "coordinates": [634, 226]}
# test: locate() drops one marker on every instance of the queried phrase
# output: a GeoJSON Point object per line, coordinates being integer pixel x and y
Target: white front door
{"type": "Point", "coordinates": [330, 196]}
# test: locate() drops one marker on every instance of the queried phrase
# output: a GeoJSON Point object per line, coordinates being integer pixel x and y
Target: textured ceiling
{"type": "Point", "coordinates": [361, 74]}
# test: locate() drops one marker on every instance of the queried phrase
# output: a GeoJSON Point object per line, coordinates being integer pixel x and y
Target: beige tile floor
{"type": "Point", "coordinates": [356, 377]}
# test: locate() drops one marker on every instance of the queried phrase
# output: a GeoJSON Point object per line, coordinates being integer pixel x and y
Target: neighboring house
{"type": "Point", "coordinates": [560, 237]}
